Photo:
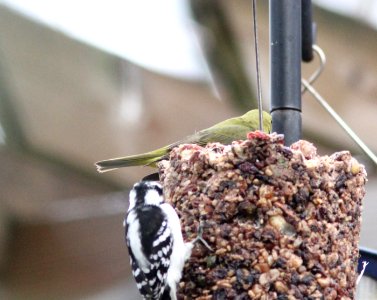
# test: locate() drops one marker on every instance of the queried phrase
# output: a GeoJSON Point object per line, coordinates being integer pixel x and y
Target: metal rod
{"type": "Point", "coordinates": [340, 121]}
{"type": "Point", "coordinates": [285, 68]}
{"type": "Point", "coordinates": [307, 31]}
{"type": "Point", "coordinates": [259, 85]}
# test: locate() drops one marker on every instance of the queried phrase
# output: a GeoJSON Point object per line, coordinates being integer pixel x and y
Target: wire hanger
{"type": "Point", "coordinates": [307, 86]}
{"type": "Point", "coordinates": [259, 85]}
{"type": "Point", "coordinates": [322, 62]}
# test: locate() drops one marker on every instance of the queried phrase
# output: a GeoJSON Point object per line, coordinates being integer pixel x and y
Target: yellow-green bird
{"type": "Point", "coordinates": [224, 132]}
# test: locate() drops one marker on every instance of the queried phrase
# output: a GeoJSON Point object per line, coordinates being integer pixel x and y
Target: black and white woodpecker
{"type": "Point", "coordinates": [155, 243]}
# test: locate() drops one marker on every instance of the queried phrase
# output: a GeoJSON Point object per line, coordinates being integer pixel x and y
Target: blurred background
{"type": "Point", "coordinates": [82, 81]}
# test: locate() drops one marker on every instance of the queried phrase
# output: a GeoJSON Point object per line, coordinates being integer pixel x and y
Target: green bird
{"type": "Point", "coordinates": [224, 132]}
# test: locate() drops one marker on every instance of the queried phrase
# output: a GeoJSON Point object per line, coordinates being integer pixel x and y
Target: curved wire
{"type": "Point", "coordinates": [322, 62]}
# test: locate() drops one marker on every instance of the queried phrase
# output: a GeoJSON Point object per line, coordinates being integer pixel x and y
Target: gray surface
{"type": "Point", "coordinates": [367, 289]}
{"type": "Point", "coordinates": [369, 216]}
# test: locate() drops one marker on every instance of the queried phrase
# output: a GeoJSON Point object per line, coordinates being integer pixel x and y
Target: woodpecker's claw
{"type": "Point", "coordinates": [200, 237]}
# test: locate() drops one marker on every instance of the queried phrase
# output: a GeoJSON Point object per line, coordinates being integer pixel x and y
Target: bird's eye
{"type": "Point", "coordinates": [158, 188]}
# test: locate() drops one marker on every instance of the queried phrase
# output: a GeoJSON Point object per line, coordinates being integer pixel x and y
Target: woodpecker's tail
{"type": "Point", "coordinates": [167, 295]}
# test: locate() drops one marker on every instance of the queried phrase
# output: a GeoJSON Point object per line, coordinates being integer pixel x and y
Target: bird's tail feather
{"type": "Point", "coordinates": [144, 159]}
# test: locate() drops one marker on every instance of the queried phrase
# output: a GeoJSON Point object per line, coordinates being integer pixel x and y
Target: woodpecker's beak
{"type": "Point", "coordinates": [152, 177]}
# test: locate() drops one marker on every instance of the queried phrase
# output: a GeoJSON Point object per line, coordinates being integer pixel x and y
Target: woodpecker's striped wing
{"type": "Point", "coordinates": [150, 244]}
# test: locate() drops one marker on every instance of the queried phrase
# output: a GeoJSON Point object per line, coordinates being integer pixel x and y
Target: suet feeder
{"type": "Point", "coordinates": [283, 222]}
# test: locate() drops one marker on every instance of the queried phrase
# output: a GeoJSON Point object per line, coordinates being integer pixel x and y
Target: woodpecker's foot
{"type": "Point", "coordinates": [200, 237]}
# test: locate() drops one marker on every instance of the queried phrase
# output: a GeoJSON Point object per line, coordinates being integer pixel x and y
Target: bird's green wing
{"type": "Point", "coordinates": [221, 134]}
{"type": "Point", "coordinates": [232, 129]}
{"type": "Point", "coordinates": [249, 121]}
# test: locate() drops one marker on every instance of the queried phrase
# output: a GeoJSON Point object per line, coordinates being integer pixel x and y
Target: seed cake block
{"type": "Point", "coordinates": [284, 222]}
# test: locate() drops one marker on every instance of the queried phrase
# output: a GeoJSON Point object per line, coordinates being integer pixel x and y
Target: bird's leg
{"type": "Point", "coordinates": [190, 245]}
{"type": "Point", "coordinates": [200, 237]}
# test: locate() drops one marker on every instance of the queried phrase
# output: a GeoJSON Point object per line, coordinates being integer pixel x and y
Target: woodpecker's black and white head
{"type": "Point", "coordinates": [146, 193]}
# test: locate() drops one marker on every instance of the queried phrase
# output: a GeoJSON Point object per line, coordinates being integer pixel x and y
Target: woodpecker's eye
{"type": "Point", "coordinates": [158, 188]}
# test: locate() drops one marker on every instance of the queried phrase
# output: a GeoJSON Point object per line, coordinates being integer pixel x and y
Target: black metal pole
{"type": "Point", "coordinates": [308, 31]}
{"type": "Point", "coordinates": [285, 68]}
